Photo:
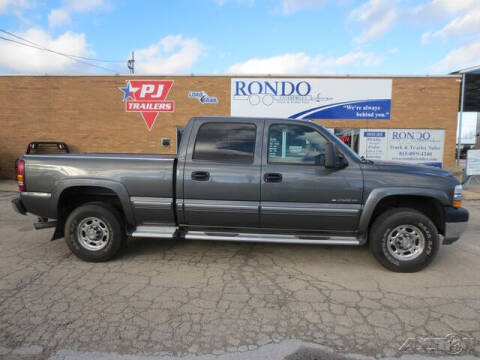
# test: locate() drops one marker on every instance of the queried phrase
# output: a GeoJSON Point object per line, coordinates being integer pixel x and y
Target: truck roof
{"type": "Point", "coordinates": [247, 118]}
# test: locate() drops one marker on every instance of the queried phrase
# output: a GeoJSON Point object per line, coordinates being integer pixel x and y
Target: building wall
{"type": "Point", "coordinates": [87, 112]}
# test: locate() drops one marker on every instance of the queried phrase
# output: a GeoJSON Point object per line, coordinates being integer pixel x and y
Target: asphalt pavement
{"type": "Point", "coordinates": [217, 300]}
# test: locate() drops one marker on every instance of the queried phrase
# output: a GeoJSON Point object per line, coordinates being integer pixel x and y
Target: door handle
{"type": "Point", "coordinates": [200, 175]}
{"type": "Point", "coordinates": [272, 177]}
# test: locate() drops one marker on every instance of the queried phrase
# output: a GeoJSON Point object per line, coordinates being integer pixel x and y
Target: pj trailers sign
{"type": "Point", "coordinates": [148, 97]}
{"type": "Point", "coordinates": [312, 98]}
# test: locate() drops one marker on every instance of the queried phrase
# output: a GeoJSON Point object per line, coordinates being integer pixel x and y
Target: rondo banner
{"type": "Point", "coordinates": [312, 98]}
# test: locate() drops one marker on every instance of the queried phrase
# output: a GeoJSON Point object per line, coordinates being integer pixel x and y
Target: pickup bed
{"type": "Point", "coordinates": [245, 179]}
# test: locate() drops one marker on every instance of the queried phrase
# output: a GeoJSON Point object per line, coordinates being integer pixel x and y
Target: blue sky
{"type": "Point", "coordinates": [242, 36]}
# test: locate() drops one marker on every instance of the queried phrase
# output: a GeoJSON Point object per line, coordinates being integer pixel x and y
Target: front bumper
{"type": "Point", "coordinates": [18, 206]}
{"type": "Point", "coordinates": [456, 221]}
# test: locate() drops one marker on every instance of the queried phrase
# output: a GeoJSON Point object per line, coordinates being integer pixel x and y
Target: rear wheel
{"type": "Point", "coordinates": [404, 240]}
{"type": "Point", "coordinates": [94, 231]}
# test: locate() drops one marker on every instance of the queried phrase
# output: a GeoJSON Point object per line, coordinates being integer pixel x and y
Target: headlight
{"type": "Point", "coordinates": [457, 196]}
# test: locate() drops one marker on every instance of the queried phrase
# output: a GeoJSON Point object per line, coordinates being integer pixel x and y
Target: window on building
{"type": "Point", "coordinates": [225, 142]}
{"type": "Point", "coordinates": [349, 136]}
{"type": "Point", "coordinates": [295, 144]}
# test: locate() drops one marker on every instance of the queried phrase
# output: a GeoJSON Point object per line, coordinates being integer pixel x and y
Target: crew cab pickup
{"type": "Point", "coordinates": [245, 179]}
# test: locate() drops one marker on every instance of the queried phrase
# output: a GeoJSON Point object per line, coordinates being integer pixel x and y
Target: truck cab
{"type": "Point", "coordinates": [267, 175]}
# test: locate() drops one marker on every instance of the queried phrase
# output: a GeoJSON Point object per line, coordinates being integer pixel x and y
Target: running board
{"type": "Point", "coordinates": [169, 232]}
{"type": "Point", "coordinates": [149, 231]}
{"type": "Point", "coordinates": [273, 238]}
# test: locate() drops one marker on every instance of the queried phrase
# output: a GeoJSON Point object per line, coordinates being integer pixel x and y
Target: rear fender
{"type": "Point", "coordinates": [118, 188]}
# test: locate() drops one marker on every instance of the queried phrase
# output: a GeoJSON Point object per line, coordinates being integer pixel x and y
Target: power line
{"type": "Point", "coordinates": [52, 51]}
{"type": "Point", "coordinates": [58, 52]}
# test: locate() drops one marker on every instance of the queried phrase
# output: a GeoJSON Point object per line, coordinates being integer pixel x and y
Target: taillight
{"type": "Point", "coordinates": [21, 175]}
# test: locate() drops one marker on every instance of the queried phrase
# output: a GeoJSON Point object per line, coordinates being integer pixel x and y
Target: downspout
{"type": "Point", "coordinates": [459, 139]}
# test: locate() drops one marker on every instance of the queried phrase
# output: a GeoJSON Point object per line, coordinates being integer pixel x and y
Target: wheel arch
{"type": "Point", "coordinates": [70, 194]}
{"type": "Point", "coordinates": [428, 201]}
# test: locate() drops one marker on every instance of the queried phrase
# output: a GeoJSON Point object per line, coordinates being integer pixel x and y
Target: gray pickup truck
{"type": "Point", "coordinates": [245, 179]}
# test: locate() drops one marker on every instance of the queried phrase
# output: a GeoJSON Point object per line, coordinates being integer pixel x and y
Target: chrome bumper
{"type": "Point", "coordinates": [453, 231]}
{"type": "Point", "coordinates": [455, 224]}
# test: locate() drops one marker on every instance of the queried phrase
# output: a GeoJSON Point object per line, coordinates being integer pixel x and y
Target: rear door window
{"type": "Point", "coordinates": [225, 142]}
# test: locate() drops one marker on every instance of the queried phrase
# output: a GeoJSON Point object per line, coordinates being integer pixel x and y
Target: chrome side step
{"type": "Point", "coordinates": [168, 232]}
{"type": "Point", "coordinates": [151, 231]}
{"type": "Point", "coordinates": [273, 238]}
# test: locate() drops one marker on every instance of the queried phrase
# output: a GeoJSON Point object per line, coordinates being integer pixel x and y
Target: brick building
{"type": "Point", "coordinates": [89, 112]}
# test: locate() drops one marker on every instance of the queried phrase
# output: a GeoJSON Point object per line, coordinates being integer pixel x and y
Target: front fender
{"type": "Point", "coordinates": [376, 195]}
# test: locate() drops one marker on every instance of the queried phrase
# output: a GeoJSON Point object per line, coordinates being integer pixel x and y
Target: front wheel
{"type": "Point", "coordinates": [404, 240]}
{"type": "Point", "coordinates": [94, 231]}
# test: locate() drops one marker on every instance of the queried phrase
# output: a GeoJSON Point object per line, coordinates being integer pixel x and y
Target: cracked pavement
{"type": "Point", "coordinates": [169, 299]}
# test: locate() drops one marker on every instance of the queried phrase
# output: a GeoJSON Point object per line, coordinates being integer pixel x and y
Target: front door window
{"type": "Point", "coordinates": [295, 144]}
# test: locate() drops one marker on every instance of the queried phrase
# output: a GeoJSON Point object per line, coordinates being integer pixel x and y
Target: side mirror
{"type": "Point", "coordinates": [330, 156]}
{"type": "Point", "coordinates": [342, 162]}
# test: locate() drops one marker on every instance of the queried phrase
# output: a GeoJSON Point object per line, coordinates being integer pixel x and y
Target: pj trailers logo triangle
{"type": "Point", "coordinates": [148, 97]}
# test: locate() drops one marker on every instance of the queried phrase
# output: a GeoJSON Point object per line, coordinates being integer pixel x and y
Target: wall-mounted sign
{"type": "Point", "coordinates": [373, 144]}
{"type": "Point", "coordinates": [203, 97]}
{"type": "Point", "coordinates": [312, 98]}
{"type": "Point", "coordinates": [148, 97]}
{"type": "Point", "coordinates": [473, 162]}
{"type": "Point", "coordinates": [419, 146]}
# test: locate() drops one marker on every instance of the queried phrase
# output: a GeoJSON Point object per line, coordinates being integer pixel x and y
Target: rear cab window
{"type": "Point", "coordinates": [227, 142]}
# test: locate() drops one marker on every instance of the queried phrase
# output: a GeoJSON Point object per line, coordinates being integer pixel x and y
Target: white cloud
{"type": "Point", "coordinates": [460, 58]}
{"type": "Point", "coordinates": [58, 17]}
{"type": "Point", "coordinates": [286, 7]}
{"type": "Point", "coordinates": [292, 6]}
{"type": "Point", "coordinates": [84, 5]}
{"type": "Point", "coordinates": [426, 37]}
{"type": "Point", "coordinates": [461, 25]}
{"type": "Point", "coordinates": [14, 5]}
{"type": "Point", "coordinates": [462, 17]}
{"type": "Point", "coordinates": [21, 59]}
{"type": "Point", "coordinates": [247, 2]}
{"type": "Point", "coordinates": [301, 63]}
{"type": "Point", "coordinates": [172, 54]}
{"type": "Point", "coordinates": [435, 10]}
{"type": "Point", "coordinates": [61, 16]}
{"type": "Point", "coordinates": [376, 17]}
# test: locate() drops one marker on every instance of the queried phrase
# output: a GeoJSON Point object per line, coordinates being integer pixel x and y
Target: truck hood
{"type": "Point", "coordinates": [392, 166]}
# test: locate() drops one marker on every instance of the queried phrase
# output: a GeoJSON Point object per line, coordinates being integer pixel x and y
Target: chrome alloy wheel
{"type": "Point", "coordinates": [93, 234]}
{"type": "Point", "coordinates": [405, 242]}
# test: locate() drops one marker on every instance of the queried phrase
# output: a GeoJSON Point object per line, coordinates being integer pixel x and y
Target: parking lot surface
{"type": "Point", "coordinates": [183, 299]}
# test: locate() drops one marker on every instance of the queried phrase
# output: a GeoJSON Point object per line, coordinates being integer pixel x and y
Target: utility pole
{"type": "Point", "coordinates": [131, 64]}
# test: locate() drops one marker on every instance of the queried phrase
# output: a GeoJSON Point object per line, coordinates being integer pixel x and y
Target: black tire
{"type": "Point", "coordinates": [109, 222]}
{"type": "Point", "coordinates": [386, 225]}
